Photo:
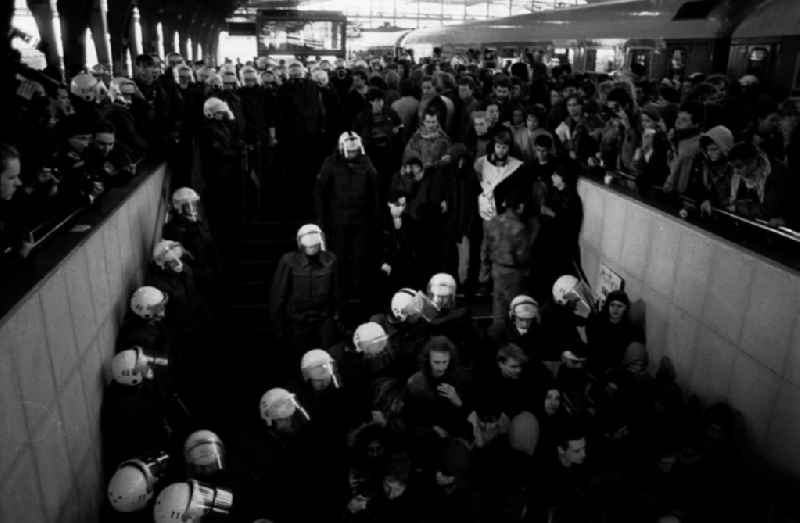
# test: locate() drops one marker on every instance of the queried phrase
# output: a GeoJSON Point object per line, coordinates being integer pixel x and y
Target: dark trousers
{"type": "Point", "coordinates": [350, 243]}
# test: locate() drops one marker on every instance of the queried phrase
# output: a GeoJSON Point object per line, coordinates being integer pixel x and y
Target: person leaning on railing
{"type": "Point", "coordinates": [759, 186]}
{"type": "Point", "coordinates": [14, 242]}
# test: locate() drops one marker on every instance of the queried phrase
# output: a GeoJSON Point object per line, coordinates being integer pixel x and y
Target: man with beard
{"type": "Point", "coordinates": [437, 405]}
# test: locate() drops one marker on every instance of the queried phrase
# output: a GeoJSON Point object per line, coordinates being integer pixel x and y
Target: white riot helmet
{"type": "Point", "coordinates": [318, 367]}
{"type": "Point", "coordinates": [350, 144]}
{"type": "Point", "coordinates": [122, 91]}
{"type": "Point", "coordinates": [249, 76]}
{"type": "Point", "coordinates": [280, 410]}
{"type": "Point", "coordinates": [132, 366]}
{"type": "Point", "coordinates": [190, 501]}
{"type": "Point", "coordinates": [148, 303]}
{"type": "Point", "coordinates": [569, 291]}
{"type": "Point", "coordinates": [442, 290]}
{"type": "Point", "coordinates": [523, 312]}
{"type": "Point", "coordinates": [167, 254]}
{"type": "Point", "coordinates": [370, 338]}
{"type": "Point", "coordinates": [185, 201]}
{"type": "Point", "coordinates": [310, 239]}
{"type": "Point", "coordinates": [320, 77]}
{"type": "Point", "coordinates": [402, 302]}
{"type": "Point", "coordinates": [214, 107]}
{"type": "Point", "coordinates": [409, 305]}
{"type": "Point", "coordinates": [84, 86]}
{"type": "Point", "coordinates": [132, 485]}
{"type": "Point", "coordinates": [204, 453]}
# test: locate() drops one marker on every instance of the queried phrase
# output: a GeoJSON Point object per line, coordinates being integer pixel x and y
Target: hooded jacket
{"type": "Point", "coordinates": [303, 289]}
{"type": "Point", "coordinates": [680, 166]}
{"type": "Point", "coordinates": [711, 181]}
{"type": "Point", "coordinates": [767, 197]}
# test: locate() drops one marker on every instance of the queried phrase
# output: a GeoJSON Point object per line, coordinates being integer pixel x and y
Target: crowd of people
{"type": "Point", "coordinates": [426, 186]}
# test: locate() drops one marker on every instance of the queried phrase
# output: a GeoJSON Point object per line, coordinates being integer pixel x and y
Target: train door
{"type": "Point", "coordinates": [760, 60]}
{"type": "Point", "coordinates": [753, 58]}
{"type": "Point", "coordinates": [676, 61]}
{"type": "Point", "coordinates": [641, 56]}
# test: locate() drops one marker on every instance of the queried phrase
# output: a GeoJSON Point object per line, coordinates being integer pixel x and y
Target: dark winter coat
{"type": "Point", "coordinates": [300, 110]}
{"type": "Point", "coordinates": [303, 289]}
{"type": "Point", "coordinates": [347, 192]}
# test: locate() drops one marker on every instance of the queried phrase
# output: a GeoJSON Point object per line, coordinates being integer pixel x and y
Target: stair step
{"type": "Point", "coordinates": [250, 315]}
{"type": "Point", "coordinates": [252, 292]}
{"type": "Point", "coordinates": [255, 270]}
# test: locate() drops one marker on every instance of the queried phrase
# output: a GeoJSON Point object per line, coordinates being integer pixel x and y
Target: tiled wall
{"type": "Point", "coordinates": [55, 348]}
{"type": "Point", "coordinates": [728, 318]}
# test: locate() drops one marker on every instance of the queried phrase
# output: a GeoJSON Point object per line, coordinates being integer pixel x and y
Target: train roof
{"type": "Point", "coordinates": [771, 18]}
{"type": "Point", "coordinates": [637, 19]}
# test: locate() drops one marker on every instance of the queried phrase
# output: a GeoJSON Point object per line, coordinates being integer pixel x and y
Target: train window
{"type": "Point", "coordinates": [591, 60]}
{"type": "Point", "coordinates": [758, 54]}
{"type": "Point", "coordinates": [678, 59]}
{"type": "Point", "coordinates": [606, 60]}
{"type": "Point", "coordinates": [759, 62]}
{"type": "Point", "coordinates": [796, 84]}
{"type": "Point", "coordinates": [640, 57]}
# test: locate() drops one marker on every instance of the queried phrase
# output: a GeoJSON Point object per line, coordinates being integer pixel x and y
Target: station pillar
{"type": "Point", "coordinates": [43, 11]}
{"type": "Point", "coordinates": [99, 24]}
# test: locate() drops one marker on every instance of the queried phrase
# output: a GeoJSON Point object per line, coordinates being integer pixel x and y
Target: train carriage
{"type": "Point", "coordinates": [767, 44]}
{"type": "Point", "coordinates": [659, 35]}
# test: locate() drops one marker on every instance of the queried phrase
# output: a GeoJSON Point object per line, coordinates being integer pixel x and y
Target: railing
{"type": "Point", "coordinates": [780, 243]}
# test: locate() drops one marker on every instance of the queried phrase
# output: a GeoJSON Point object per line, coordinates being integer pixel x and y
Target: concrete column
{"type": "Point", "coordinates": [149, 40]}
{"type": "Point", "coordinates": [99, 26]}
{"type": "Point", "coordinates": [43, 14]}
{"type": "Point", "coordinates": [119, 28]}
{"type": "Point", "coordinates": [136, 37]}
{"type": "Point", "coordinates": [184, 33]}
{"type": "Point", "coordinates": [75, 16]}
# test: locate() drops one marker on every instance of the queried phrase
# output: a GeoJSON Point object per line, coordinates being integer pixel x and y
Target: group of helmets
{"type": "Point", "coordinates": [410, 305]}
{"type": "Point", "coordinates": [136, 480]}
{"type": "Point", "coordinates": [98, 86]}
{"type": "Point", "coordinates": [280, 409]}
{"type": "Point", "coordinates": [571, 292]}
{"type": "Point", "coordinates": [149, 303]}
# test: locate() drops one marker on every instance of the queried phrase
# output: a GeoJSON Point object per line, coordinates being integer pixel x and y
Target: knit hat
{"type": "Point", "coordinates": [619, 296]}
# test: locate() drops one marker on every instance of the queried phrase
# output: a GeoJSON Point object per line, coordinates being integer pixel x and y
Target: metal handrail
{"type": "Point", "coordinates": [782, 231]}
{"type": "Point", "coordinates": [55, 228]}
